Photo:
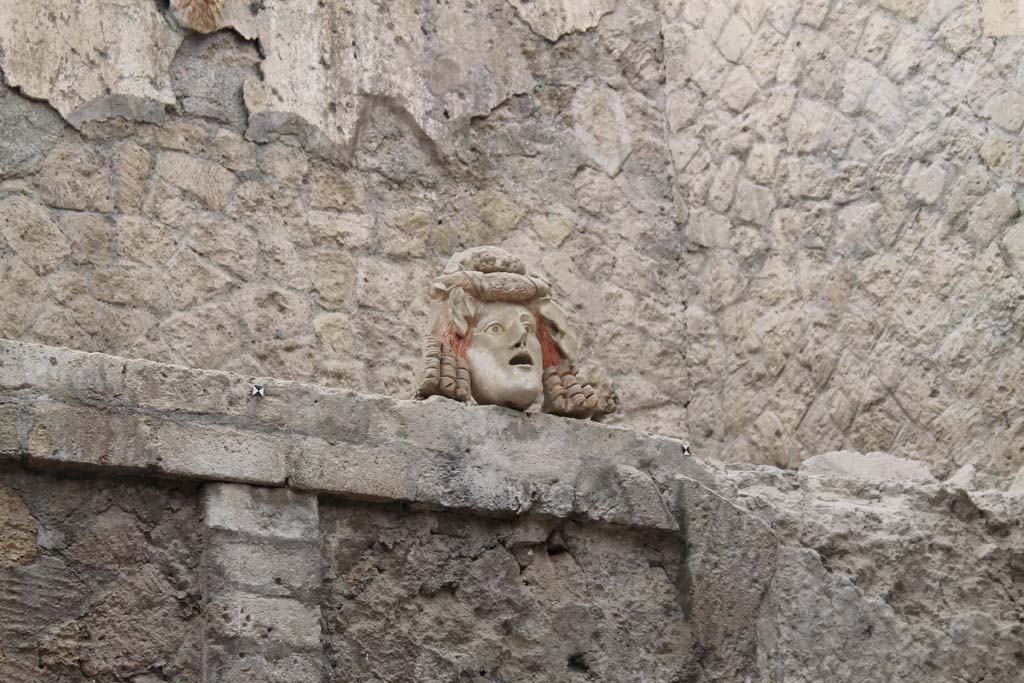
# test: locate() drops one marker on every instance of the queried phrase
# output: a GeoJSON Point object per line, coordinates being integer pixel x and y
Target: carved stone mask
{"type": "Point", "coordinates": [497, 336]}
{"type": "Point", "coordinates": [504, 355]}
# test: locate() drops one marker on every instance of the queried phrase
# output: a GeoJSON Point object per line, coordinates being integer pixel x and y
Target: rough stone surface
{"type": "Point", "coordinates": [436, 597]}
{"type": "Point", "coordinates": [30, 130]}
{"type": "Point", "coordinates": [17, 531]}
{"type": "Point", "coordinates": [207, 181]}
{"type": "Point", "coordinates": [723, 544]}
{"type": "Point", "coordinates": [112, 592]}
{"type": "Point", "coordinates": [76, 177]}
{"type": "Point", "coordinates": [869, 466]}
{"type": "Point", "coordinates": [862, 582]}
{"type": "Point", "coordinates": [790, 228]}
{"type": "Point", "coordinates": [32, 234]}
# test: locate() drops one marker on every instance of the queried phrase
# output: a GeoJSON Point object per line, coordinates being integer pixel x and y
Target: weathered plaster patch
{"type": "Point", "coordinates": [440, 63]}
{"type": "Point", "coordinates": [556, 18]}
{"type": "Point", "coordinates": [94, 61]}
{"type": "Point", "coordinates": [90, 59]}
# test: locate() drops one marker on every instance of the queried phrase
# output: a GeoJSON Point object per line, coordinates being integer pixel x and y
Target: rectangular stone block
{"type": "Point", "coordinates": [259, 511]}
{"type": "Point", "coordinates": [364, 472]}
{"type": "Point", "coordinates": [223, 665]}
{"type": "Point", "coordinates": [274, 570]}
{"type": "Point", "coordinates": [155, 386]}
{"type": "Point", "coordinates": [281, 620]}
{"type": "Point", "coordinates": [63, 434]}
{"type": "Point", "coordinates": [218, 452]}
{"type": "Point", "coordinates": [59, 373]}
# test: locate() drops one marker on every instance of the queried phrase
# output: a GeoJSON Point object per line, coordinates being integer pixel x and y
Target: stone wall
{"type": "Point", "coordinates": [864, 586]}
{"type": "Point", "coordinates": [159, 523]}
{"type": "Point", "coordinates": [850, 176]}
{"type": "Point", "coordinates": [787, 227]}
{"type": "Point", "coordinates": [442, 597]}
{"type": "Point", "coordinates": [99, 579]}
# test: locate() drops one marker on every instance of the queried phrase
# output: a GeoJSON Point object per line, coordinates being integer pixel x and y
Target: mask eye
{"type": "Point", "coordinates": [529, 328]}
{"type": "Point", "coordinates": [494, 328]}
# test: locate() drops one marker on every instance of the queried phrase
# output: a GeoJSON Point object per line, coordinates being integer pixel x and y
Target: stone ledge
{"type": "Point", "coordinates": [63, 408]}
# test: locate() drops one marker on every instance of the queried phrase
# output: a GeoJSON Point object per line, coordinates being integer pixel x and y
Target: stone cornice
{"type": "Point", "coordinates": [69, 409]}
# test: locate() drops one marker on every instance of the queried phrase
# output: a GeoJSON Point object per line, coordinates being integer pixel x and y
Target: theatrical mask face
{"type": "Point", "coordinates": [504, 356]}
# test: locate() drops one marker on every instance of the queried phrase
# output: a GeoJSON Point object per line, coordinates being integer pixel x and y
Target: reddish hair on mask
{"type": "Point", "coordinates": [548, 348]}
{"type": "Point", "coordinates": [550, 355]}
{"type": "Point", "coordinates": [446, 334]}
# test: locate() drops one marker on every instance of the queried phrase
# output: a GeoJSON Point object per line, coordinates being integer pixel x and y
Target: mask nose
{"type": "Point", "coordinates": [521, 342]}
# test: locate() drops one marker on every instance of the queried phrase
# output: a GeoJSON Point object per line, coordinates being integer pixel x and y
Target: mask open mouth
{"type": "Point", "coordinates": [521, 358]}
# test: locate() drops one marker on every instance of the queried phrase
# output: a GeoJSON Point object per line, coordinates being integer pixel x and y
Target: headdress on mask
{"type": "Point", "coordinates": [490, 274]}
